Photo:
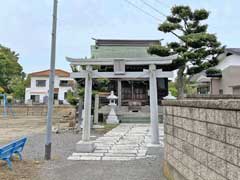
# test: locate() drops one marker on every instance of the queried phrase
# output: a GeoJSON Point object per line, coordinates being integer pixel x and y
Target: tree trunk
{"type": "Point", "coordinates": [180, 82]}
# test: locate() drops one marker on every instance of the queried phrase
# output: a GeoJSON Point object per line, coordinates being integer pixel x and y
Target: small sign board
{"type": "Point", "coordinates": [119, 66]}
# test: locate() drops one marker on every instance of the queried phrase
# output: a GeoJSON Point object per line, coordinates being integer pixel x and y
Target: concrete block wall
{"type": "Point", "coordinates": [202, 140]}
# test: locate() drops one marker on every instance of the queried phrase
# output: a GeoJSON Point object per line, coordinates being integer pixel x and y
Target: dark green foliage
{"type": "Point", "coordinates": [197, 49]}
{"type": "Point", "coordinates": [173, 45]}
{"type": "Point", "coordinates": [194, 70]}
{"type": "Point", "coordinates": [182, 12]}
{"type": "Point", "coordinates": [9, 67]}
{"type": "Point", "coordinates": [1, 90]}
{"type": "Point", "coordinates": [99, 85]}
{"type": "Point", "coordinates": [200, 40]}
{"type": "Point", "coordinates": [189, 89]}
{"type": "Point", "coordinates": [17, 87]}
{"type": "Point", "coordinates": [71, 98]}
{"type": "Point", "coordinates": [172, 88]}
{"type": "Point", "coordinates": [200, 14]}
{"type": "Point", "coordinates": [214, 72]}
{"type": "Point", "coordinates": [173, 19]}
{"type": "Point", "coordinates": [168, 27]}
{"type": "Point", "coordinates": [12, 78]}
{"type": "Point", "coordinates": [159, 50]}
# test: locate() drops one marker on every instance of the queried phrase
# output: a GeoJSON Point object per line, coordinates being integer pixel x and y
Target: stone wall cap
{"type": "Point", "coordinates": [230, 104]}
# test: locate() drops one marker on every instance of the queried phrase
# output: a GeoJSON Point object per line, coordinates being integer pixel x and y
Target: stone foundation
{"type": "Point", "coordinates": [39, 110]}
{"type": "Point", "coordinates": [202, 139]}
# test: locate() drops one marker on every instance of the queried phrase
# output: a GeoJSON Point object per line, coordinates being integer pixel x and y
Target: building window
{"type": "Point", "coordinates": [55, 96]}
{"type": "Point", "coordinates": [64, 83]}
{"type": "Point", "coordinates": [203, 90]}
{"type": "Point", "coordinates": [220, 91]}
{"type": "Point", "coordinates": [236, 90]}
{"type": "Point", "coordinates": [40, 83]}
{"type": "Point", "coordinates": [65, 95]}
{"type": "Point", "coordinates": [35, 98]}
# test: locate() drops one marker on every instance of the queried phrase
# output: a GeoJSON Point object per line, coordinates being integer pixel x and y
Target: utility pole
{"type": "Point", "coordinates": [48, 142]}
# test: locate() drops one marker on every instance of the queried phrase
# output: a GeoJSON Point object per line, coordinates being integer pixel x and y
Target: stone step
{"type": "Point", "coordinates": [101, 151]}
{"type": "Point", "coordinates": [137, 118]}
{"type": "Point", "coordinates": [103, 147]}
{"type": "Point", "coordinates": [119, 155]}
{"type": "Point", "coordinates": [89, 154]}
{"type": "Point", "coordinates": [118, 158]}
{"type": "Point", "coordinates": [84, 158]}
{"type": "Point", "coordinates": [119, 151]}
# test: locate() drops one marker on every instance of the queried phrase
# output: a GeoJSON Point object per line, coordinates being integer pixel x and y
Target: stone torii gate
{"type": "Point", "coordinates": [85, 145]}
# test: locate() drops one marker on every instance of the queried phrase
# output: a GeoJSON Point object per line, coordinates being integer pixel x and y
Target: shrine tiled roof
{"type": "Point", "coordinates": [122, 48]}
{"type": "Point", "coordinates": [233, 50]}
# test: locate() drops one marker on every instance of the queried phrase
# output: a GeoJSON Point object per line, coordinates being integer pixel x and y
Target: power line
{"type": "Point", "coordinates": [143, 11]}
{"type": "Point", "coordinates": [146, 13]}
{"type": "Point", "coordinates": [163, 3]}
{"type": "Point", "coordinates": [152, 7]}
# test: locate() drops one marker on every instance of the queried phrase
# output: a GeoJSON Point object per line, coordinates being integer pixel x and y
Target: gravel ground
{"type": "Point", "coordinates": [62, 169]}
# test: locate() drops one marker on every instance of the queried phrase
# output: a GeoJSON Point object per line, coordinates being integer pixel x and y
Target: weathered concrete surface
{"type": "Point", "coordinates": [171, 173]}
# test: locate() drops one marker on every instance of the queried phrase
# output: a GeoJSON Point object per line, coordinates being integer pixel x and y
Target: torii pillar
{"type": "Point", "coordinates": [85, 145]}
{"type": "Point", "coordinates": [154, 147]}
{"type": "Point", "coordinates": [153, 104]}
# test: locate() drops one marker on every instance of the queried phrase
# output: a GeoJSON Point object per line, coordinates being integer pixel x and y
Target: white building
{"type": "Point", "coordinates": [38, 91]}
{"type": "Point", "coordinates": [229, 82]}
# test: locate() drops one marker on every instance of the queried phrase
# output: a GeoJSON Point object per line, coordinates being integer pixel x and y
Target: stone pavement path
{"type": "Point", "coordinates": [123, 143]}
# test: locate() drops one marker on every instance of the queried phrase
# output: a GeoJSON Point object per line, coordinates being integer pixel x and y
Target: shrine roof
{"type": "Point", "coordinates": [125, 42]}
{"type": "Point", "coordinates": [125, 48]}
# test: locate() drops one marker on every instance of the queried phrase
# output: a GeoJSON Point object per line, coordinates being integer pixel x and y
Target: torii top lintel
{"type": "Point", "coordinates": [127, 61]}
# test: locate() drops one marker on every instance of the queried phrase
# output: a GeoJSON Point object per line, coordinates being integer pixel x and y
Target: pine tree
{"type": "Point", "coordinates": [196, 48]}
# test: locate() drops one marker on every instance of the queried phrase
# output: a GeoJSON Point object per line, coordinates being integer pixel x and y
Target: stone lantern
{"type": "Point", "coordinates": [169, 97]}
{"type": "Point", "coordinates": [112, 117]}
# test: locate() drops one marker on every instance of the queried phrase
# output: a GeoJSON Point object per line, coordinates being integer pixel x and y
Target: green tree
{"type": "Point", "coordinates": [172, 88]}
{"type": "Point", "coordinates": [9, 67]}
{"type": "Point", "coordinates": [189, 87]}
{"type": "Point", "coordinates": [1, 90]}
{"type": "Point", "coordinates": [196, 48]}
{"type": "Point", "coordinates": [27, 81]}
{"type": "Point", "coordinates": [99, 85]}
{"type": "Point", "coordinates": [73, 100]}
{"type": "Point", "coordinates": [17, 88]}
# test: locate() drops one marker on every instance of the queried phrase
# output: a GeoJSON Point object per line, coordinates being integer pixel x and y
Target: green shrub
{"type": "Point", "coordinates": [213, 72]}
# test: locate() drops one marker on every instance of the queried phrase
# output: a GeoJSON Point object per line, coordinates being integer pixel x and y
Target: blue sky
{"type": "Point", "coordinates": [25, 26]}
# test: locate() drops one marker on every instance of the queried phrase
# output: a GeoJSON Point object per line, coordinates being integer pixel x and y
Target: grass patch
{"type": "Point", "coordinates": [107, 127]}
{"type": "Point", "coordinates": [110, 126]}
{"type": "Point", "coordinates": [22, 170]}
